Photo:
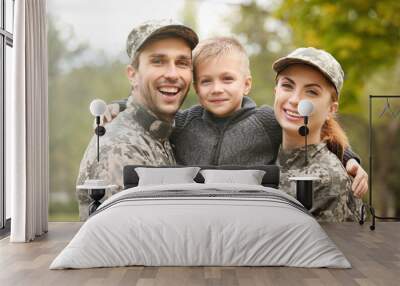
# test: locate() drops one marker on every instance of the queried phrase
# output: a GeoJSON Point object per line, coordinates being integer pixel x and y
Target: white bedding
{"type": "Point", "coordinates": [155, 226]}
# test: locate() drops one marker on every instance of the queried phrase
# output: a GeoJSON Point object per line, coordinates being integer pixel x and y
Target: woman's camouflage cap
{"type": "Point", "coordinates": [317, 58]}
{"type": "Point", "coordinates": [147, 30]}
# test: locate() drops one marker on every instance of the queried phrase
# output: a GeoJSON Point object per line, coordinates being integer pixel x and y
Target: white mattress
{"type": "Point", "coordinates": [182, 229]}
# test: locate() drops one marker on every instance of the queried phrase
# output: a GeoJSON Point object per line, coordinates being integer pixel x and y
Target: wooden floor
{"type": "Point", "coordinates": [375, 256]}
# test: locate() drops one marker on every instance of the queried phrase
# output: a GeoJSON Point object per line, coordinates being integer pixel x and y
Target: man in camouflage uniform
{"type": "Point", "coordinates": [333, 198]}
{"type": "Point", "coordinates": [160, 74]}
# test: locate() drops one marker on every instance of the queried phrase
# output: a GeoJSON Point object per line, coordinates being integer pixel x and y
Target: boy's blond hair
{"type": "Point", "coordinates": [217, 47]}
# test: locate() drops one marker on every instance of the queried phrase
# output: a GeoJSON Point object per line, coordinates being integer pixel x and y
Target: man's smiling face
{"type": "Point", "coordinates": [163, 77]}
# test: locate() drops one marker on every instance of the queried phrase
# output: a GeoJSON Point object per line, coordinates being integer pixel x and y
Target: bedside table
{"type": "Point", "coordinates": [304, 190]}
{"type": "Point", "coordinates": [96, 190]}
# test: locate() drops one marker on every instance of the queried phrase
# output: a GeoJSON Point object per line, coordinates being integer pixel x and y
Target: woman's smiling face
{"type": "Point", "coordinates": [298, 82]}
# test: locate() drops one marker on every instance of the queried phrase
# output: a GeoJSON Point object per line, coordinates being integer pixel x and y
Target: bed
{"type": "Point", "coordinates": [201, 223]}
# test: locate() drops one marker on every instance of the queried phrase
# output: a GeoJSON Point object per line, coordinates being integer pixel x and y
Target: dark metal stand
{"type": "Point", "coordinates": [99, 131]}
{"type": "Point", "coordinates": [96, 195]}
{"type": "Point", "coordinates": [304, 188]}
{"type": "Point", "coordinates": [304, 193]}
{"type": "Point", "coordinates": [368, 206]}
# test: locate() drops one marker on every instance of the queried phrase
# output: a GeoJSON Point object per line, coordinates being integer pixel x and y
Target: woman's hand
{"type": "Point", "coordinates": [360, 182]}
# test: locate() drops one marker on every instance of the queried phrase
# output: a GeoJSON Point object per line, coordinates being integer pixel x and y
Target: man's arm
{"type": "Point", "coordinates": [349, 154]}
{"type": "Point", "coordinates": [360, 181]}
{"type": "Point", "coordinates": [351, 161]}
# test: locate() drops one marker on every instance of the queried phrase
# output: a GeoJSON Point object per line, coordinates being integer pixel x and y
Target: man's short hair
{"type": "Point", "coordinates": [217, 47]}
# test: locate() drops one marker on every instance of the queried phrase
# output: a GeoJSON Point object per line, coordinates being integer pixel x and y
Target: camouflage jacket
{"type": "Point", "coordinates": [135, 137]}
{"type": "Point", "coordinates": [333, 198]}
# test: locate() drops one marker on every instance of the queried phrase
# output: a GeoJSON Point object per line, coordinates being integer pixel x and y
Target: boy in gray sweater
{"type": "Point", "coordinates": [227, 128]}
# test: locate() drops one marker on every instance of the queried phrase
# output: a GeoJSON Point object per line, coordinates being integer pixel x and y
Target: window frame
{"type": "Point", "coordinates": [6, 39]}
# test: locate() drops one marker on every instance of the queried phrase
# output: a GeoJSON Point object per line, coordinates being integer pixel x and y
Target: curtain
{"type": "Point", "coordinates": [27, 141]}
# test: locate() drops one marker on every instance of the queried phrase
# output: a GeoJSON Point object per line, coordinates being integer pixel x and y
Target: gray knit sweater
{"type": "Point", "coordinates": [251, 136]}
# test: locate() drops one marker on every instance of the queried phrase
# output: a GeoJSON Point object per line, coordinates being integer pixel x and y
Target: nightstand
{"type": "Point", "coordinates": [96, 190]}
{"type": "Point", "coordinates": [304, 190]}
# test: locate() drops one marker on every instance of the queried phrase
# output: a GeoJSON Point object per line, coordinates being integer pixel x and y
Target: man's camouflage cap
{"type": "Point", "coordinates": [141, 34]}
{"type": "Point", "coordinates": [319, 59]}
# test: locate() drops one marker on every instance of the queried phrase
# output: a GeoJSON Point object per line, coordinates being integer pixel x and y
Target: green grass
{"type": "Point", "coordinates": [67, 211]}
{"type": "Point", "coordinates": [59, 217]}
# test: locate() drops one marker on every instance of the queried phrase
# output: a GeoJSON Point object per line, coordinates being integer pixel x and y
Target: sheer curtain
{"type": "Point", "coordinates": [27, 143]}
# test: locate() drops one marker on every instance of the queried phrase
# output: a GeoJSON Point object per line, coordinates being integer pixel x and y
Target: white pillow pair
{"type": "Point", "coordinates": [185, 175]}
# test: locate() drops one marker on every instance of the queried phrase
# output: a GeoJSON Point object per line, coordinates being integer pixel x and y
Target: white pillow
{"type": "Point", "coordinates": [248, 177]}
{"type": "Point", "coordinates": [163, 176]}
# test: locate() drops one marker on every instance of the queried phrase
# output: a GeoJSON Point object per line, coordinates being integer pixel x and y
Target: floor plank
{"type": "Point", "coordinates": [374, 255]}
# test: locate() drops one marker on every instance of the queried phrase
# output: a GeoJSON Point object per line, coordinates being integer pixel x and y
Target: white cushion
{"type": "Point", "coordinates": [162, 176]}
{"type": "Point", "coordinates": [248, 177]}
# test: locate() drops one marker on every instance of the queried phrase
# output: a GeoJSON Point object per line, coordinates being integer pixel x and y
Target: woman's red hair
{"type": "Point", "coordinates": [333, 134]}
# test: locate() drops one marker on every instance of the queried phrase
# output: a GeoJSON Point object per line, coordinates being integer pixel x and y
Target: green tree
{"type": "Point", "coordinates": [189, 15]}
{"type": "Point", "coordinates": [58, 50]}
{"type": "Point", "coordinates": [363, 35]}
{"type": "Point", "coordinates": [189, 18]}
{"type": "Point", "coordinates": [266, 40]}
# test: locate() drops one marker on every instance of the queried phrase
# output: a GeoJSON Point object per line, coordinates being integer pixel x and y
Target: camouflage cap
{"type": "Point", "coordinates": [319, 59]}
{"type": "Point", "coordinates": [147, 30]}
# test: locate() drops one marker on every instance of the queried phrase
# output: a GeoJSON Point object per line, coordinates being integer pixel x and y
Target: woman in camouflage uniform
{"type": "Point", "coordinates": [312, 74]}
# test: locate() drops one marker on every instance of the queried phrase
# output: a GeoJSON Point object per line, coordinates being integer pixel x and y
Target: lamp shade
{"type": "Point", "coordinates": [98, 107]}
{"type": "Point", "coordinates": [305, 107]}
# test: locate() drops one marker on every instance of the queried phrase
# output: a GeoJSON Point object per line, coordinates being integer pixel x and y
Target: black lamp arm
{"type": "Point", "coordinates": [99, 131]}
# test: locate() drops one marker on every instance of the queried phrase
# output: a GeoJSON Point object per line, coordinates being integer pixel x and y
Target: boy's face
{"type": "Point", "coordinates": [221, 83]}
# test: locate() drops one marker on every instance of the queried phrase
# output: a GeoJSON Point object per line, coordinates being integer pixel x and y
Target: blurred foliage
{"type": "Point", "coordinates": [386, 140]}
{"type": "Point", "coordinates": [264, 38]}
{"type": "Point", "coordinates": [189, 18]}
{"type": "Point", "coordinates": [189, 14]}
{"type": "Point", "coordinates": [58, 49]}
{"type": "Point", "coordinates": [363, 35]}
{"type": "Point", "coordinates": [64, 211]}
{"type": "Point", "coordinates": [70, 122]}
{"type": "Point", "coordinates": [386, 151]}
